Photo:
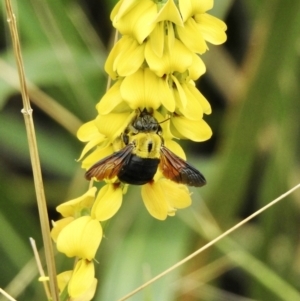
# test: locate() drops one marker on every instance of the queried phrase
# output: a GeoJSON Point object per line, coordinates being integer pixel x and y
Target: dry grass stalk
{"type": "Point", "coordinates": [34, 157]}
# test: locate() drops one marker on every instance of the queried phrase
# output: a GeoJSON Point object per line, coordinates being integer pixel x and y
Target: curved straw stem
{"type": "Point", "coordinates": [214, 241]}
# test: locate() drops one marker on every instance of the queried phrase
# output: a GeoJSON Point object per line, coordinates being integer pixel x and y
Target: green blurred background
{"type": "Point", "coordinates": [252, 83]}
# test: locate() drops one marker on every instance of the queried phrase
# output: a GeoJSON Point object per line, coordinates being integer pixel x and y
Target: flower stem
{"type": "Point", "coordinates": [34, 157]}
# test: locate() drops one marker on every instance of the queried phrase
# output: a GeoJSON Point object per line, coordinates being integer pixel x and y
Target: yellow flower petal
{"type": "Point", "coordinates": [87, 131]}
{"type": "Point", "coordinates": [108, 202]}
{"type": "Point", "coordinates": [197, 68]}
{"type": "Point", "coordinates": [175, 148]}
{"type": "Point", "coordinates": [157, 38]}
{"type": "Point", "coordinates": [178, 58]}
{"type": "Point", "coordinates": [91, 144]}
{"type": "Point", "coordinates": [112, 125]}
{"type": "Point", "coordinates": [89, 293]}
{"type": "Point", "coordinates": [111, 100]}
{"type": "Point", "coordinates": [80, 238]}
{"type": "Point", "coordinates": [154, 200]}
{"type": "Point", "coordinates": [188, 8]}
{"type": "Point", "coordinates": [191, 36]}
{"type": "Point", "coordinates": [75, 206]}
{"type": "Point", "coordinates": [96, 156]}
{"type": "Point", "coordinates": [121, 8]}
{"type": "Point", "coordinates": [193, 109]}
{"type": "Point", "coordinates": [142, 90]}
{"type": "Point", "coordinates": [58, 226]}
{"type": "Point", "coordinates": [63, 279]}
{"type": "Point", "coordinates": [179, 94]}
{"type": "Point", "coordinates": [166, 96]}
{"type": "Point", "coordinates": [169, 12]}
{"type": "Point", "coordinates": [199, 97]}
{"type": "Point", "coordinates": [138, 21]}
{"type": "Point", "coordinates": [125, 58]}
{"type": "Point", "coordinates": [82, 278]}
{"type": "Point", "coordinates": [212, 28]}
{"type": "Point", "coordinates": [177, 195]}
{"type": "Point", "coordinates": [196, 130]}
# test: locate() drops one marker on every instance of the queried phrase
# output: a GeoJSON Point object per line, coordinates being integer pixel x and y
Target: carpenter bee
{"type": "Point", "coordinates": [143, 153]}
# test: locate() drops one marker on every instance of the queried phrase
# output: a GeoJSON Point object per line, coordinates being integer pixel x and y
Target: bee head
{"type": "Point", "coordinates": [146, 123]}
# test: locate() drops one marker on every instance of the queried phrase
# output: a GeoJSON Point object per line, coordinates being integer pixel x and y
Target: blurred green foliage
{"type": "Point", "coordinates": [253, 84]}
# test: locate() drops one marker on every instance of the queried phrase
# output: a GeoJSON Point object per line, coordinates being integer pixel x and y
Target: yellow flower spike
{"type": "Point", "coordinates": [212, 28]}
{"type": "Point", "coordinates": [169, 12]}
{"type": "Point", "coordinates": [125, 58]}
{"type": "Point", "coordinates": [81, 238]}
{"type": "Point", "coordinates": [195, 130]}
{"type": "Point", "coordinates": [59, 225]}
{"type": "Point", "coordinates": [138, 20]}
{"type": "Point", "coordinates": [143, 90]}
{"type": "Point", "coordinates": [108, 202]}
{"type": "Point", "coordinates": [188, 8]}
{"type": "Point", "coordinates": [74, 207]}
{"type": "Point", "coordinates": [82, 278]}
{"type": "Point", "coordinates": [154, 200]}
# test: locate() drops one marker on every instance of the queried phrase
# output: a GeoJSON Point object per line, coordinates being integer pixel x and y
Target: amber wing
{"type": "Point", "coordinates": [178, 170]}
{"type": "Point", "coordinates": [110, 166]}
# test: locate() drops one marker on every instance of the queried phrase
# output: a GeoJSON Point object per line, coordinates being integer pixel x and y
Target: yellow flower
{"type": "Point", "coordinates": [136, 19]}
{"type": "Point", "coordinates": [144, 89]}
{"type": "Point", "coordinates": [189, 8]}
{"type": "Point", "coordinates": [199, 29]}
{"type": "Point", "coordinates": [82, 278]}
{"type": "Point", "coordinates": [80, 238]}
{"type": "Point", "coordinates": [196, 130]}
{"type": "Point", "coordinates": [59, 225]}
{"type": "Point", "coordinates": [163, 197]}
{"type": "Point", "coordinates": [126, 57]}
{"type": "Point", "coordinates": [78, 206]}
{"type": "Point", "coordinates": [87, 293]}
{"type": "Point", "coordinates": [176, 57]}
{"type": "Point", "coordinates": [155, 64]}
{"type": "Point", "coordinates": [108, 202]}
{"type": "Point", "coordinates": [168, 11]}
{"type": "Point", "coordinates": [88, 132]}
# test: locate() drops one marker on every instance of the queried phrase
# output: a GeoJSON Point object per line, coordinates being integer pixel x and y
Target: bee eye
{"type": "Point", "coordinates": [154, 127]}
{"type": "Point", "coordinates": [126, 139]}
{"type": "Point", "coordinates": [138, 125]}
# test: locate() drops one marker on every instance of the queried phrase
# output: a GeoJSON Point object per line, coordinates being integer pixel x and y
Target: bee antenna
{"type": "Point", "coordinates": [164, 120]}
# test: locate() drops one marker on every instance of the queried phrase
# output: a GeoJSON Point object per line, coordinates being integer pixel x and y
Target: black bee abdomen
{"type": "Point", "coordinates": [138, 171]}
